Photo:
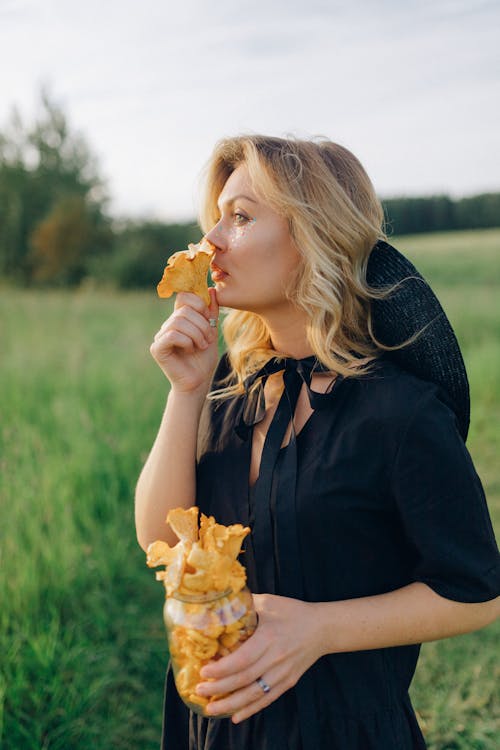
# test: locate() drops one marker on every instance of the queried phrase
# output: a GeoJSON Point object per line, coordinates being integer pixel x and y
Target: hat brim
{"type": "Point", "coordinates": [435, 355]}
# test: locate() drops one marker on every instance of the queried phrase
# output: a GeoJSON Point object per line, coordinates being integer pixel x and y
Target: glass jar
{"type": "Point", "coordinates": [203, 628]}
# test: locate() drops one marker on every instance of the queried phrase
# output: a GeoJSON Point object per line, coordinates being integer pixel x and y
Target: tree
{"type": "Point", "coordinates": [44, 170]}
{"type": "Point", "coordinates": [63, 243]}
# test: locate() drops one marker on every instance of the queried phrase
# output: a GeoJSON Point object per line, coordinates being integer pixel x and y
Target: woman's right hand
{"type": "Point", "coordinates": [185, 347]}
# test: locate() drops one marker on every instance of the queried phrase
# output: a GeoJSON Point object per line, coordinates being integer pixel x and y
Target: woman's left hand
{"type": "Point", "coordinates": [286, 643]}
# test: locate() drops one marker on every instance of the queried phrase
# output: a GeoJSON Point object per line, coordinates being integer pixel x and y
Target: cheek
{"type": "Point", "coordinates": [279, 253]}
{"type": "Point", "coordinates": [238, 234]}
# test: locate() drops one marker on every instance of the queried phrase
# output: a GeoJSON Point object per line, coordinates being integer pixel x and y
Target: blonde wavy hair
{"type": "Point", "coordinates": [334, 218]}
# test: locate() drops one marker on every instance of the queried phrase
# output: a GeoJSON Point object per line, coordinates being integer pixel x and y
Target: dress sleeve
{"type": "Point", "coordinates": [443, 507]}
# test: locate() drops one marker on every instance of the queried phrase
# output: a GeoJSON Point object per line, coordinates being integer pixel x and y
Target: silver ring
{"type": "Point", "coordinates": [212, 322]}
{"type": "Point", "coordinates": [263, 685]}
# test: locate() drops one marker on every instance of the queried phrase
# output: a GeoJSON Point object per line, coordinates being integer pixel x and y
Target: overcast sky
{"type": "Point", "coordinates": [411, 86]}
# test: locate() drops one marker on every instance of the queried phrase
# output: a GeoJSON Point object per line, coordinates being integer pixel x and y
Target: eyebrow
{"type": "Point", "coordinates": [229, 201]}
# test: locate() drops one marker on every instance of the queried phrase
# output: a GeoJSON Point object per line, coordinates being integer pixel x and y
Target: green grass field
{"type": "Point", "coordinates": [82, 646]}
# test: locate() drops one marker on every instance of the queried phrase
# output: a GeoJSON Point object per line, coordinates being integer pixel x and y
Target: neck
{"type": "Point", "coordinates": [288, 333]}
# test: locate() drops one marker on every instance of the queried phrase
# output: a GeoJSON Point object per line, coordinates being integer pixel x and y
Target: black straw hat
{"type": "Point", "coordinates": [435, 355]}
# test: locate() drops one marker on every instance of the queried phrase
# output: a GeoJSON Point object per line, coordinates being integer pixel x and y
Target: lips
{"type": "Point", "coordinates": [218, 274]}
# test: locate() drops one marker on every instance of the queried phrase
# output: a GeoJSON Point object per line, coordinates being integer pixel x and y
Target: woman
{"type": "Point", "coordinates": [370, 532]}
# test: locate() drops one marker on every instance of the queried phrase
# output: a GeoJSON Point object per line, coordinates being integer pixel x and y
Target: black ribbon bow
{"type": "Point", "coordinates": [296, 371]}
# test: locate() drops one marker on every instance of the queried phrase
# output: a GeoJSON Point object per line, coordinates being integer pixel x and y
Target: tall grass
{"type": "Point", "coordinates": [81, 638]}
{"type": "Point", "coordinates": [82, 646]}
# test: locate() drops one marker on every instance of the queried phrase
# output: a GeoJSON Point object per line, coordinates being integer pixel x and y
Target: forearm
{"type": "Point", "coordinates": [168, 479]}
{"type": "Point", "coordinates": [292, 635]}
{"type": "Point", "coordinates": [412, 614]}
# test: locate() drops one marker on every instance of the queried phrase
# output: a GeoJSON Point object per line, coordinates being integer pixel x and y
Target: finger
{"type": "Point", "coordinates": [187, 329]}
{"type": "Point", "coordinates": [199, 319]}
{"type": "Point", "coordinates": [186, 311]}
{"type": "Point", "coordinates": [235, 681]}
{"type": "Point", "coordinates": [213, 309]}
{"type": "Point", "coordinates": [165, 340]}
{"type": "Point", "coordinates": [213, 314]}
{"type": "Point", "coordinates": [191, 300]}
{"type": "Point", "coordinates": [241, 701]}
{"type": "Point", "coordinates": [188, 321]}
{"type": "Point", "coordinates": [241, 659]}
{"type": "Point", "coordinates": [253, 708]}
{"type": "Point", "coordinates": [174, 340]}
{"type": "Point", "coordinates": [252, 698]}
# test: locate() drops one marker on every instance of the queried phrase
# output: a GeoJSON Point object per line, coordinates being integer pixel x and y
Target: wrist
{"type": "Point", "coordinates": [325, 626]}
{"type": "Point", "coordinates": [195, 395]}
{"type": "Point", "coordinates": [321, 628]}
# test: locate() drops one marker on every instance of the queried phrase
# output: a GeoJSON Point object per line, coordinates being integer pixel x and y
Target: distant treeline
{"type": "Point", "coordinates": [438, 213]}
{"type": "Point", "coordinates": [55, 227]}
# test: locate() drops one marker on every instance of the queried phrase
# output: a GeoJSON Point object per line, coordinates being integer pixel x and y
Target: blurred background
{"type": "Point", "coordinates": [108, 113]}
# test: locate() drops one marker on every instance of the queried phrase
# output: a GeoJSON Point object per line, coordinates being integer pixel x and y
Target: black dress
{"type": "Point", "coordinates": [383, 493]}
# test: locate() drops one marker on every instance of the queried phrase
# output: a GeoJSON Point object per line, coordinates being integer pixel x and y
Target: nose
{"type": "Point", "coordinates": [216, 237]}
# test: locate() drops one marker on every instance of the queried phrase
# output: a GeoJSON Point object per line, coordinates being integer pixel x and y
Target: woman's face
{"type": "Point", "coordinates": [255, 255]}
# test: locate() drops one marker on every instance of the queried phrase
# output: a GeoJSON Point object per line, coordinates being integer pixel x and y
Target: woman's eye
{"type": "Point", "coordinates": [239, 218]}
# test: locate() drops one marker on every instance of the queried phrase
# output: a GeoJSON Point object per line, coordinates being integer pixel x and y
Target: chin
{"type": "Point", "coordinates": [232, 300]}
{"type": "Point", "coordinates": [232, 303]}
{"type": "Point", "coordinates": [225, 298]}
